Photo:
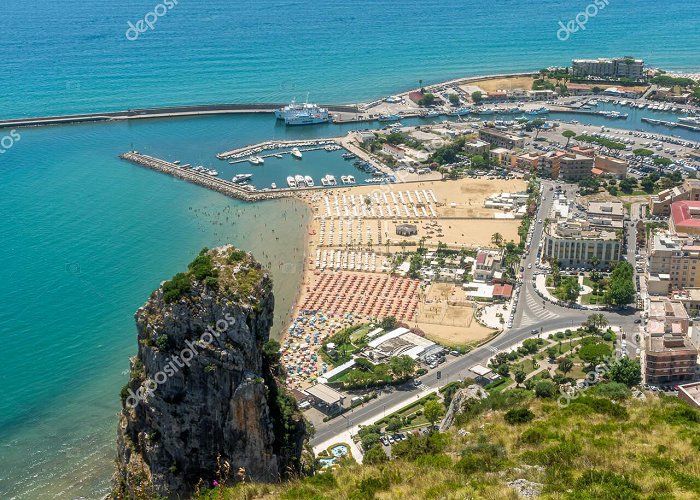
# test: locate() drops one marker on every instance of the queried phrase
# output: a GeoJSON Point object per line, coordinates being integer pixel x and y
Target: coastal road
{"type": "Point", "coordinates": [530, 315]}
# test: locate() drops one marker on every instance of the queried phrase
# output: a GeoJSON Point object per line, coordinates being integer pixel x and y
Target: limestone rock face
{"type": "Point", "coordinates": [461, 397]}
{"type": "Point", "coordinates": [196, 407]}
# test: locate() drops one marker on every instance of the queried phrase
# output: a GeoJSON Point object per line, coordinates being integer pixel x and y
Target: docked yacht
{"type": "Point", "coordinates": [300, 180]}
{"type": "Point", "coordinates": [541, 111]}
{"type": "Point", "coordinates": [256, 160]}
{"type": "Point", "coordinates": [309, 181]}
{"type": "Point", "coordinates": [240, 178]}
{"type": "Point", "coordinates": [291, 182]}
{"type": "Point", "coordinates": [389, 118]}
{"type": "Point", "coordinates": [296, 153]}
{"type": "Point", "coordinates": [331, 180]}
{"type": "Point", "coordinates": [273, 186]}
{"type": "Point", "coordinates": [349, 156]}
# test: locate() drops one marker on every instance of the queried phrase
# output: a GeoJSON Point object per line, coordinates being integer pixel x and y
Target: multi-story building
{"type": "Point", "coordinates": [669, 355]}
{"type": "Point", "coordinates": [526, 161]}
{"type": "Point", "coordinates": [619, 67]}
{"type": "Point", "coordinates": [487, 263]}
{"type": "Point", "coordinates": [610, 165]}
{"type": "Point", "coordinates": [501, 139]}
{"type": "Point", "coordinates": [574, 167]}
{"type": "Point", "coordinates": [661, 203]}
{"type": "Point", "coordinates": [669, 359]}
{"type": "Point", "coordinates": [477, 148]}
{"type": "Point", "coordinates": [606, 215]}
{"type": "Point", "coordinates": [674, 263]}
{"type": "Point", "coordinates": [501, 156]}
{"type": "Point", "coordinates": [574, 243]}
{"type": "Point", "coordinates": [394, 151]}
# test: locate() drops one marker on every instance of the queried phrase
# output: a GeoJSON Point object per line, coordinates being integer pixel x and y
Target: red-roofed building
{"type": "Point", "coordinates": [394, 151]}
{"type": "Point", "coordinates": [685, 217]}
{"type": "Point", "coordinates": [502, 291]}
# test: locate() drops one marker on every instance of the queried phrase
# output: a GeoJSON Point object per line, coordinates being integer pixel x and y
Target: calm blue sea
{"type": "Point", "coordinates": [86, 237]}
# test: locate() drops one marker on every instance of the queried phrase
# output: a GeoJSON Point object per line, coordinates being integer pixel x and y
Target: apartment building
{"type": "Point", "coordinates": [610, 166]}
{"type": "Point", "coordinates": [500, 139]}
{"type": "Point", "coordinates": [477, 148]}
{"type": "Point", "coordinates": [618, 67]}
{"type": "Point", "coordinates": [674, 263]}
{"type": "Point", "coordinates": [661, 203]}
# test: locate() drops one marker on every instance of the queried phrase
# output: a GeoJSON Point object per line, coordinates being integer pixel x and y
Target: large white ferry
{"type": "Point", "coordinates": [302, 114]}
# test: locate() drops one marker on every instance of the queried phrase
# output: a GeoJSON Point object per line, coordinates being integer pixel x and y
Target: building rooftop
{"type": "Point", "coordinates": [685, 214]}
{"type": "Point", "coordinates": [606, 209]}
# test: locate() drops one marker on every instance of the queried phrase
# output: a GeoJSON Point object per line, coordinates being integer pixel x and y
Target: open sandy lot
{"type": "Point", "coordinates": [446, 316]}
{"type": "Point", "coordinates": [520, 82]}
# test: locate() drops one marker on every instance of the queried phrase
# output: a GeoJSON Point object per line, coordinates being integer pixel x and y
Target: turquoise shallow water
{"type": "Point", "coordinates": [86, 237]}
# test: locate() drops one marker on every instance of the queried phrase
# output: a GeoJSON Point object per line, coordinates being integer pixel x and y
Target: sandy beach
{"type": "Point", "coordinates": [349, 242]}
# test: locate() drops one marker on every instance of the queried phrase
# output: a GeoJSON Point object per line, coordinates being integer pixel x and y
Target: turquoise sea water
{"type": "Point", "coordinates": [86, 237]}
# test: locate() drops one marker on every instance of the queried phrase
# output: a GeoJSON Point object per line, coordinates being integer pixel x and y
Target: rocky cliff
{"type": "Point", "coordinates": [202, 404]}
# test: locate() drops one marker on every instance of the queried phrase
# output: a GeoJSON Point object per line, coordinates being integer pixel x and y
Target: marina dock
{"type": "Point", "coordinates": [242, 154]}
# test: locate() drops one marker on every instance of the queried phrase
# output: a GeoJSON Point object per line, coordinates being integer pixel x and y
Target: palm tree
{"type": "Point", "coordinates": [497, 239]}
{"type": "Point", "coordinates": [566, 365]}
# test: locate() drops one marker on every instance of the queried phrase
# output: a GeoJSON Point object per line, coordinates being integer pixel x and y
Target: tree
{"type": "Point", "coordinates": [520, 376]}
{"type": "Point", "coordinates": [427, 100]}
{"type": "Point", "coordinates": [394, 424]}
{"type": "Point", "coordinates": [595, 322]}
{"type": "Point", "coordinates": [402, 367]}
{"type": "Point", "coordinates": [625, 371]}
{"type": "Point", "coordinates": [432, 411]}
{"type": "Point", "coordinates": [566, 365]}
{"type": "Point", "coordinates": [545, 389]}
{"type": "Point", "coordinates": [569, 289]}
{"type": "Point", "coordinates": [454, 99]}
{"type": "Point", "coordinates": [497, 239]}
{"type": "Point", "coordinates": [537, 124]}
{"type": "Point", "coordinates": [388, 323]}
{"type": "Point", "coordinates": [375, 455]}
{"type": "Point", "coordinates": [621, 289]}
{"type": "Point", "coordinates": [593, 352]}
{"type": "Point", "coordinates": [569, 134]}
{"type": "Point", "coordinates": [476, 97]}
{"type": "Point", "coordinates": [369, 440]}
{"type": "Point", "coordinates": [589, 185]}
{"type": "Point", "coordinates": [503, 370]}
{"type": "Point", "coordinates": [648, 184]}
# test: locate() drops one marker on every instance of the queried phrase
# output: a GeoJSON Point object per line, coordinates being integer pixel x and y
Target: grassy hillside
{"type": "Point", "coordinates": [594, 449]}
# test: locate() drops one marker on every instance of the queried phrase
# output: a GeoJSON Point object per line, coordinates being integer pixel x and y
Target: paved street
{"type": "Point", "coordinates": [530, 314]}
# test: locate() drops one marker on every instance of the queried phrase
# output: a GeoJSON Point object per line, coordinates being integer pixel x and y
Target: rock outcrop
{"type": "Point", "coordinates": [202, 403]}
{"type": "Point", "coordinates": [462, 396]}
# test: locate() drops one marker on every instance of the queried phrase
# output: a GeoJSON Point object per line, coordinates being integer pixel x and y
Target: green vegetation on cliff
{"type": "Point", "coordinates": [595, 448]}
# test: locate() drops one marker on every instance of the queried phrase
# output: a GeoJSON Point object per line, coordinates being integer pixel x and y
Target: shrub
{"type": "Point", "coordinates": [533, 435]}
{"type": "Point", "coordinates": [375, 455]}
{"type": "Point", "coordinates": [605, 485]}
{"type": "Point", "coordinates": [162, 342]}
{"type": "Point", "coordinates": [611, 390]}
{"type": "Point", "coordinates": [545, 389]}
{"type": "Point", "coordinates": [176, 287]}
{"type": "Point", "coordinates": [518, 416]}
{"type": "Point", "coordinates": [236, 256]}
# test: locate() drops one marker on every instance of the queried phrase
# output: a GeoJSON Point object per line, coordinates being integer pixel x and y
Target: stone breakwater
{"type": "Point", "coordinates": [222, 186]}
